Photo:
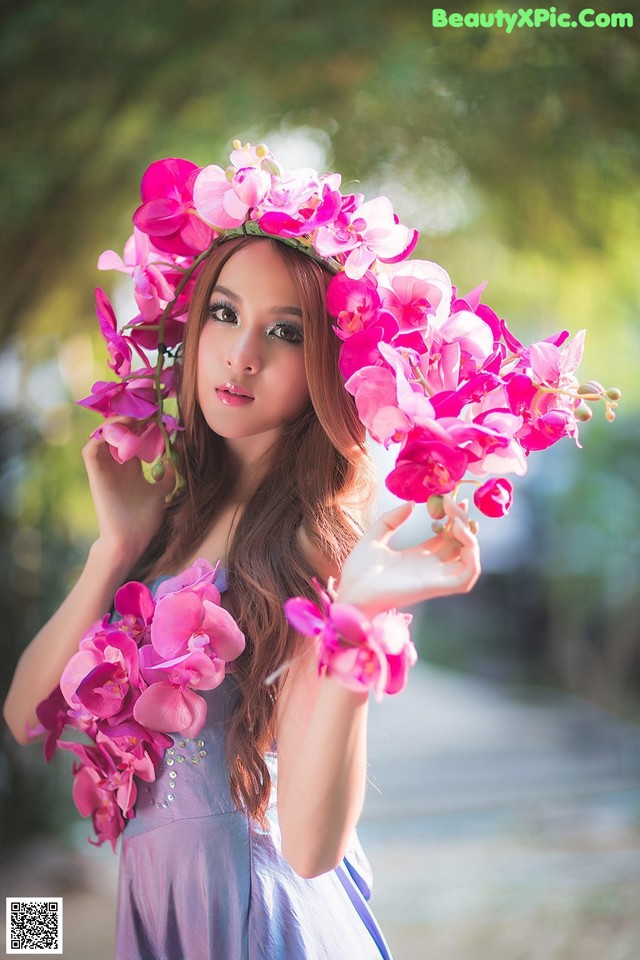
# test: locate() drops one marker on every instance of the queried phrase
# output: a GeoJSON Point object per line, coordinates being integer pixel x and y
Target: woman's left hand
{"type": "Point", "coordinates": [377, 577]}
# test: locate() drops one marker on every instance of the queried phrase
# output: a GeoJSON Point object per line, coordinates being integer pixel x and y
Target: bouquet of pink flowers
{"type": "Point", "coordinates": [438, 375]}
{"type": "Point", "coordinates": [133, 681]}
{"type": "Point", "coordinates": [444, 377]}
{"type": "Point", "coordinates": [361, 654]}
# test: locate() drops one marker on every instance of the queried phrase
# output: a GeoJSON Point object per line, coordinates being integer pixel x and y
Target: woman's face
{"type": "Point", "coordinates": [251, 373]}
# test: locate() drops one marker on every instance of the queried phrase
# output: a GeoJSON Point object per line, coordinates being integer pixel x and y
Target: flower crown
{"type": "Point", "coordinates": [437, 374]}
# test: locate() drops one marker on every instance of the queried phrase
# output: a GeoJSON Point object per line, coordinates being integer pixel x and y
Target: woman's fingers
{"type": "Point", "coordinates": [469, 554]}
{"type": "Point", "coordinates": [385, 526]}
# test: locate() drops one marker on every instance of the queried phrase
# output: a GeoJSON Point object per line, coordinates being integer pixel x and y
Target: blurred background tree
{"type": "Point", "coordinates": [515, 155]}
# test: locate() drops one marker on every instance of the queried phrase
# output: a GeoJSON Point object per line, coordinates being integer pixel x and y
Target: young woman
{"type": "Point", "coordinates": [277, 488]}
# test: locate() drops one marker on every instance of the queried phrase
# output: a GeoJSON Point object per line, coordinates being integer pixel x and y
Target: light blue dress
{"type": "Point", "coordinates": [200, 880]}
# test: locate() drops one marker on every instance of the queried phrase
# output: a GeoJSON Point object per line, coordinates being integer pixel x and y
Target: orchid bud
{"type": "Point", "coordinates": [230, 173]}
{"type": "Point", "coordinates": [236, 144]}
{"type": "Point", "coordinates": [157, 471]}
{"type": "Point", "coordinates": [272, 167]}
{"type": "Point", "coordinates": [583, 412]}
{"type": "Point", "coordinates": [610, 415]}
{"type": "Point", "coordinates": [435, 507]}
{"type": "Point", "coordinates": [613, 393]}
{"type": "Point", "coordinates": [262, 151]}
{"type": "Point", "coordinates": [590, 386]}
{"type": "Point", "coordinates": [437, 527]}
{"type": "Point", "coordinates": [474, 526]}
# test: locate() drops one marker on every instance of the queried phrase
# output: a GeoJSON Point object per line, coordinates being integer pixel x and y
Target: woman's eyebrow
{"type": "Point", "coordinates": [295, 311]}
{"type": "Point", "coordinates": [228, 293]}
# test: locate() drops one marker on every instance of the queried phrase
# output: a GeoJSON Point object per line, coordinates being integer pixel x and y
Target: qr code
{"type": "Point", "coordinates": [34, 925]}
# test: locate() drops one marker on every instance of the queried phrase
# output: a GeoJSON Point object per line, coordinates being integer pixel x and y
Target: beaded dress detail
{"type": "Point", "coordinates": [201, 880]}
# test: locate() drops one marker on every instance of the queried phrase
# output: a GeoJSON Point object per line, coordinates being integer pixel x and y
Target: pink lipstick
{"type": "Point", "coordinates": [233, 395]}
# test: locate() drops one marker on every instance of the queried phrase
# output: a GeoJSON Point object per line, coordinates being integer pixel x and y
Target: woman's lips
{"type": "Point", "coordinates": [233, 395]}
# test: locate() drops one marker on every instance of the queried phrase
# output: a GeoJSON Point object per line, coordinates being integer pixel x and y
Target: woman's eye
{"type": "Point", "coordinates": [222, 312]}
{"type": "Point", "coordinates": [286, 332]}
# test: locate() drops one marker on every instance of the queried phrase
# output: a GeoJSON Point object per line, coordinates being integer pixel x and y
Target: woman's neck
{"type": "Point", "coordinates": [252, 455]}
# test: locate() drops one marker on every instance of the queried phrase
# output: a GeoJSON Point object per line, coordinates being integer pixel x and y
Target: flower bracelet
{"type": "Point", "coordinates": [361, 654]}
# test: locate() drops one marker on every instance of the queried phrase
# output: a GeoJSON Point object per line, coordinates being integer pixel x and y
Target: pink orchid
{"type": "Point", "coordinates": [187, 622]}
{"type": "Point", "coordinates": [152, 290]}
{"type": "Point", "coordinates": [480, 393]}
{"type": "Point", "coordinates": [225, 203]}
{"type": "Point", "coordinates": [373, 233]}
{"type": "Point", "coordinates": [362, 350]}
{"type": "Point", "coordinates": [136, 397]}
{"type": "Point", "coordinates": [466, 367]}
{"type": "Point", "coordinates": [198, 577]}
{"type": "Point", "coordinates": [126, 694]}
{"type": "Point", "coordinates": [555, 369]}
{"type": "Point", "coordinates": [166, 213]}
{"type": "Point", "coordinates": [429, 462]}
{"type": "Point", "coordinates": [375, 393]}
{"type": "Point", "coordinates": [132, 739]}
{"type": "Point", "coordinates": [53, 716]}
{"type": "Point", "coordinates": [111, 771]}
{"type": "Point", "coordinates": [171, 708]}
{"type": "Point", "coordinates": [410, 394]}
{"type": "Point", "coordinates": [519, 391]}
{"type": "Point", "coordinates": [107, 692]}
{"type": "Point", "coordinates": [89, 654]}
{"type": "Point", "coordinates": [494, 446]}
{"type": "Point", "coordinates": [361, 654]}
{"type": "Point", "coordinates": [354, 303]}
{"type": "Point", "coordinates": [192, 640]}
{"type": "Point", "coordinates": [145, 333]}
{"type": "Point", "coordinates": [300, 205]}
{"type": "Point", "coordinates": [125, 443]}
{"type": "Point", "coordinates": [473, 336]}
{"type": "Point", "coordinates": [103, 676]}
{"type": "Point", "coordinates": [417, 293]}
{"type": "Point", "coordinates": [387, 403]}
{"type": "Point", "coordinates": [494, 497]}
{"type": "Point", "coordinates": [101, 791]}
{"type": "Point", "coordinates": [117, 344]}
{"type": "Point", "coordinates": [95, 798]}
{"type": "Point", "coordinates": [542, 432]}
{"type": "Point", "coordinates": [136, 762]}
{"type": "Point", "coordinates": [391, 629]}
{"type": "Point", "coordinates": [134, 602]}
{"type": "Point", "coordinates": [440, 367]}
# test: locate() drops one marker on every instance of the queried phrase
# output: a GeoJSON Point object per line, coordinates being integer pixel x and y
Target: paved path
{"type": "Point", "coordinates": [498, 828]}
{"type": "Point", "coordinates": [503, 827]}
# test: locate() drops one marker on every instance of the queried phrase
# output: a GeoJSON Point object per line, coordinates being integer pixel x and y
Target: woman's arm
{"type": "Point", "coordinates": [322, 766]}
{"type": "Point", "coordinates": [41, 664]}
{"type": "Point", "coordinates": [321, 724]}
{"type": "Point", "coordinates": [129, 511]}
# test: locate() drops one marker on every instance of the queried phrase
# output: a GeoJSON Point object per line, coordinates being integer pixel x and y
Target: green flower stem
{"type": "Point", "coordinates": [419, 378]}
{"type": "Point", "coordinates": [160, 327]}
{"type": "Point", "coordinates": [610, 405]}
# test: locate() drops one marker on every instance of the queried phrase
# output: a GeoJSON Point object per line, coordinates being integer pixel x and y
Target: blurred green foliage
{"type": "Point", "coordinates": [516, 156]}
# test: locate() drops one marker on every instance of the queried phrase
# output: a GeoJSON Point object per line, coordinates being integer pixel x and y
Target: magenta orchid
{"type": "Point", "coordinates": [126, 443]}
{"type": "Point", "coordinates": [166, 213]}
{"type": "Point", "coordinates": [361, 654]}
{"type": "Point", "coordinates": [494, 497]}
{"type": "Point", "coordinates": [434, 372]}
{"type": "Point", "coordinates": [132, 681]}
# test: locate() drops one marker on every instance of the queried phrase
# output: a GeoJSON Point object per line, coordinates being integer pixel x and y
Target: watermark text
{"type": "Point", "coordinates": [532, 18]}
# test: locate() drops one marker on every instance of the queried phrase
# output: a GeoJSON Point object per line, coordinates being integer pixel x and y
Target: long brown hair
{"type": "Point", "coordinates": [319, 479]}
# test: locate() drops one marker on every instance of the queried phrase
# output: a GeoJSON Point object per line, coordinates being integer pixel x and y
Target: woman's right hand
{"type": "Point", "coordinates": [377, 577]}
{"type": "Point", "coordinates": [128, 508]}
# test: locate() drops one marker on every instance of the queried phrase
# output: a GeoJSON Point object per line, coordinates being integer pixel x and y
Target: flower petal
{"type": "Point", "coordinates": [169, 708]}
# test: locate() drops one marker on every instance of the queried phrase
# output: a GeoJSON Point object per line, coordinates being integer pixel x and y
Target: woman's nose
{"type": "Point", "coordinates": [243, 355]}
